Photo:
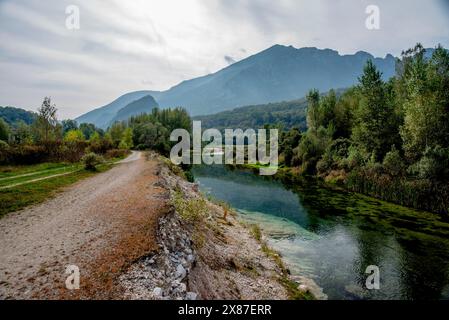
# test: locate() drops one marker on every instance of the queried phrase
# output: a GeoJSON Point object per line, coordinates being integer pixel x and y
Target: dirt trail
{"type": "Point", "coordinates": [100, 224]}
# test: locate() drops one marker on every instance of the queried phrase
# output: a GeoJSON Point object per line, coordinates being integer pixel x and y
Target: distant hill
{"type": "Point", "coordinates": [103, 116]}
{"type": "Point", "coordinates": [13, 116]}
{"type": "Point", "coordinates": [143, 105]}
{"type": "Point", "coordinates": [289, 114]}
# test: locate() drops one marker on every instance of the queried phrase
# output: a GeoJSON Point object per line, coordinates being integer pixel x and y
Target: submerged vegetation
{"type": "Point", "coordinates": [389, 139]}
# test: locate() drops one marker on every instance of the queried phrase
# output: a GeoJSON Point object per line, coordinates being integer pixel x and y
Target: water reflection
{"type": "Point", "coordinates": [332, 236]}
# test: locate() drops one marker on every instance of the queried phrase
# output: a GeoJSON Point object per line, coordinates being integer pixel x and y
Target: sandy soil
{"type": "Point", "coordinates": [101, 224]}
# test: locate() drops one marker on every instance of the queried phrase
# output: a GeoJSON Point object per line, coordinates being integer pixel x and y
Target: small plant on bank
{"type": "Point", "coordinates": [91, 161]}
{"type": "Point", "coordinates": [190, 210]}
{"type": "Point", "coordinates": [256, 232]}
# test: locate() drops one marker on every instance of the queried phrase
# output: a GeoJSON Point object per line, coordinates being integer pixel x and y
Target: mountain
{"type": "Point", "coordinates": [143, 105]}
{"type": "Point", "coordinates": [13, 116]}
{"type": "Point", "coordinates": [278, 73]}
{"type": "Point", "coordinates": [103, 116]}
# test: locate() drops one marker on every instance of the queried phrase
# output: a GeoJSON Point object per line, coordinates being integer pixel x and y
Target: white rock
{"type": "Point", "coordinates": [182, 287]}
{"type": "Point", "coordinates": [191, 296]}
{"type": "Point", "coordinates": [157, 292]}
{"type": "Point", "coordinates": [180, 272]}
{"type": "Point", "coordinates": [303, 288]}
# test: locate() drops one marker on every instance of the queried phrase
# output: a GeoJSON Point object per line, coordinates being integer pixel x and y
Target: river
{"type": "Point", "coordinates": [333, 236]}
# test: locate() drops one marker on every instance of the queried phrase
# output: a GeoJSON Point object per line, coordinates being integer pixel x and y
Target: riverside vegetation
{"type": "Point", "coordinates": [389, 140]}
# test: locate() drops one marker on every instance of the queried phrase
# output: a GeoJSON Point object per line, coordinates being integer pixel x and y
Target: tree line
{"type": "Point", "coordinates": [46, 138]}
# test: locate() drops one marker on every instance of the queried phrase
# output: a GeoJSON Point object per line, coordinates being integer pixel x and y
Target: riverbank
{"type": "Point", "coordinates": [333, 236]}
{"type": "Point", "coordinates": [421, 195]}
{"type": "Point", "coordinates": [206, 253]}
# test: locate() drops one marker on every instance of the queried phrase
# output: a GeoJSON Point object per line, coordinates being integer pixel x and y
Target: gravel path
{"type": "Point", "coordinates": [87, 225]}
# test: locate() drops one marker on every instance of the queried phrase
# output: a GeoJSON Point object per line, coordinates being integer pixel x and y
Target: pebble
{"type": "Point", "coordinates": [157, 292]}
{"type": "Point", "coordinates": [191, 296]}
{"type": "Point", "coordinates": [180, 272]}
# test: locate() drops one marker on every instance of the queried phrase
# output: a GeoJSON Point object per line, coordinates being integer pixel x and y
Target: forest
{"type": "Point", "coordinates": [388, 139]}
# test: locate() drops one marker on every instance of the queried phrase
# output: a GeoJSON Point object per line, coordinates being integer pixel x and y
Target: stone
{"type": "Point", "coordinates": [180, 272]}
{"type": "Point", "coordinates": [182, 287]}
{"type": "Point", "coordinates": [191, 296]}
{"type": "Point", "coordinates": [303, 288]}
{"type": "Point", "coordinates": [157, 292]}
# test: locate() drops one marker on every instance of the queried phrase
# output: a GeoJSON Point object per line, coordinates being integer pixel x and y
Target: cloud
{"type": "Point", "coordinates": [166, 41]}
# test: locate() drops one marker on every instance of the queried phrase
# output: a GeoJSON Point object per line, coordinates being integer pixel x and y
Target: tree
{"type": "Point", "coordinates": [88, 129]}
{"type": "Point", "coordinates": [152, 136]}
{"type": "Point", "coordinates": [327, 110]}
{"type": "Point", "coordinates": [74, 136]}
{"type": "Point", "coordinates": [68, 125]}
{"type": "Point", "coordinates": [116, 132]}
{"type": "Point", "coordinates": [46, 122]}
{"type": "Point", "coordinates": [344, 113]}
{"type": "Point", "coordinates": [127, 139]}
{"type": "Point", "coordinates": [375, 127]}
{"type": "Point", "coordinates": [22, 134]}
{"type": "Point", "coordinates": [426, 102]}
{"type": "Point", "coordinates": [4, 130]}
{"type": "Point", "coordinates": [313, 112]}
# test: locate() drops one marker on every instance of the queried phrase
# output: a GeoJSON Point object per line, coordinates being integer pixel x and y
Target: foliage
{"type": "Point", "coordinates": [12, 116]}
{"type": "Point", "coordinates": [386, 139]}
{"type": "Point", "coordinates": [287, 115]}
{"type": "Point", "coordinates": [68, 125]}
{"type": "Point", "coordinates": [190, 210]}
{"type": "Point", "coordinates": [91, 161]}
{"type": "Point", "coordinates": [4, 130]}
{"type": "Point", "coordinates": [74, 136]}
{"type": "Point", "coordinates": [46, 126]}
{"type": "Point", "coordinates": [89, 129]}
{"type": "Point", "coordinates": [127, 139]}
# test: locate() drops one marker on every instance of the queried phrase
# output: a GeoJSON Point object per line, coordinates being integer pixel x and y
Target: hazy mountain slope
{"type": "Point", "coordinates": [143, 105]}
{"type": "Point", "coordinates": [102, 116]}
{"type": "Point", "coordinates": [12, 115]}
{"type": "Point", "coordinates": [277, 74]}
{"type": "Point", "coordinates": [289, 114]}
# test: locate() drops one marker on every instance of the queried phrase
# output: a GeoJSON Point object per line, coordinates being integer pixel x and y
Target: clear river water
{"type": "Point", "coordinates": [333, 236]}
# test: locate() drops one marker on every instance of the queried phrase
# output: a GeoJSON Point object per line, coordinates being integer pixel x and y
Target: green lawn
{"type": "Point", "coordinates": [11, 171]}
{"type": "Point", "coordinates": [21, 196]}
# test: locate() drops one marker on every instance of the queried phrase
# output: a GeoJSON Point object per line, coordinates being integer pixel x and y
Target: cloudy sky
{"type": "Point", "coordinates": [127, 45]}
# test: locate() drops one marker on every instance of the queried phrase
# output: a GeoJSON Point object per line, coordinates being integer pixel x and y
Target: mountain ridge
{"type": "Point", "coordinates": [278, 73]}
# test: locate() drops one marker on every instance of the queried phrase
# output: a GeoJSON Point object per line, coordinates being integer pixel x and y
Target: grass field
{"type": "Point", "coordinates": [21, 186]}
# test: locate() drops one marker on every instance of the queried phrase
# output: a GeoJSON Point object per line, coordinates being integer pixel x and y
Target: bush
{"type": "Point", "coordinates": [190, 210]}
{"type": "Point", "coordinates": [91, 161]}
{"type": "Point", "coordinates": [393, 163]}
{"type": "Point", "coordinates": [433, 165]}
{"type": "Point", "coordinates": [28, 154]}
{"type": "Point", "coordinates": [4, 151]}
{"type": "Point", "coordinates": [116, 153]}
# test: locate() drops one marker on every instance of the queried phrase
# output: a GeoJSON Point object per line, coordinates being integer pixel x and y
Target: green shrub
{"type": "Point", "coordinates": [190, 210]}
{"type": "Point", "coordinates": [256, 232]}
{"type": "Point", "coordinates": [4, 151]}
{"type": "Point", "coordinates": [116, 153]}
{"type": "Point", "coordinates": [393, 163]}
{"type": "Point", "coordinates": [91, 161]}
